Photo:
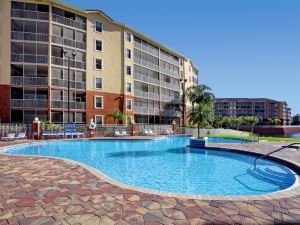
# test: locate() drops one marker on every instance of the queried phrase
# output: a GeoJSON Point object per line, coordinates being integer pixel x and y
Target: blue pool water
{"type": "Point", "coordinates": [296, 135]}
{"type": "Point", "coordinates": [225, 140]}
{"type": "Point", "coordinates": [167, 165]}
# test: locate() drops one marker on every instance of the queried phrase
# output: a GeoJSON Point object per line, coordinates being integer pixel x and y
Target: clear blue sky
{"type": "Point", "coordinates": [244, 48]}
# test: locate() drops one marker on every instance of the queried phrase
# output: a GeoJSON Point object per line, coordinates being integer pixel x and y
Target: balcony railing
{"type": "Point", "coordinates": [64, 62]}
{"type": "Point", "coordinates": [145, 110]}
{"type": "Point", "coordinates": [68, 42]}
{"type": "Point", "coordinates": [144, 94]}
{"type": "Point", "coordinates": [170, 86]}
{"type": "Point", "coordinates": [29, 80]}
{"type": "Point", "coordinates": [29, 14]}
{"type": "Point", "coordinates": [144, 78]}
{"type": "Point", "coordinates": [29, 103]}
{"type": "Point", "coordinates": [165, 98]}
{"type": "Point", "coordinates": [64, 105]}
{"type": "Point", "coordinates": [146, 63]}
{"type": "Point", "coordinates": [170, 72]}
{"type": "Point", "coordinates": [68, 22]}
{"type": "Point", "coordinates": [41, 59]}
{"type": "Point", "coordinates": [27, 36]}
{"type": "Point", "coordinates": [64, 83]}
{"type": "Point", "coordinates": [146, 49]}
{"type": "Point", "coordinates": [168, 112]}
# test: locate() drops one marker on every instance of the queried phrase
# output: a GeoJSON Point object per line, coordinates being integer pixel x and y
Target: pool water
{"type": "Point", "coordinates": [168, 165]}
{"type": "Point", "coordinates": [226, 140]}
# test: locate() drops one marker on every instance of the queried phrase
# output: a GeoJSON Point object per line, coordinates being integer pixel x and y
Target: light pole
{"type": "Point", "coordinates": [65, 52]}
{"type": "Point", "coordinates": [183, 81]}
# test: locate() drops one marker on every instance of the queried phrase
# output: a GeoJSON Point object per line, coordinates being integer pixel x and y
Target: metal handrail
{"type": "Point", "coordinates": [265, 155]}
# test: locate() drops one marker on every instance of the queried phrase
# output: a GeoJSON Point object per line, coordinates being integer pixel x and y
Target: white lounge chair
{"type": "Point", "coordinates": [146, 132]}
{"type": "Point", "coordinates": [150, 131]}
{"type": "Point", "coordinates": [9, 137]}
{"type": "Point", "coordinates": [117, 133]}
{"type": "Point", "coordinates": [124, 132]}
{"type": "Point", "coordinates": [21, 135]}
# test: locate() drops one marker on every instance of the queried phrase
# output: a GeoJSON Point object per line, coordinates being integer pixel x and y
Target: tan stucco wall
{"type": "Point", "coordinates": [5, 44]}
{"type": "Point", "coordinates": [112, 54]}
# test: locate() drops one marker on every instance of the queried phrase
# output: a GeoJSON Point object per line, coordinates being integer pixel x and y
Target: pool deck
{"type": "Point", "coordinates": [42, 191]}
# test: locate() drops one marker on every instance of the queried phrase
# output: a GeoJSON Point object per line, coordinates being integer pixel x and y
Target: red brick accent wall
{"type": "Point", "coordinates": [5, 103]}
{"type": "Point", "coordinates": [111, 102]}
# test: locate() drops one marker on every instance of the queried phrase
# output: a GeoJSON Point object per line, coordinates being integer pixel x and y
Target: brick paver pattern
{"type": "Point", "coordinates": [46, 191]}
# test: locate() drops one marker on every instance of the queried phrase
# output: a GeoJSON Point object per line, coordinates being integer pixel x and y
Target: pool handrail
{"type": "Point", "coordinates": [265, 155]}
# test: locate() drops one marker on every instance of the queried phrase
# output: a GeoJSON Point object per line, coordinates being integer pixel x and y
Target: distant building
{"type": "Point", "coordinates": [296, 119]}
{"type": "Point", "coordinates": [263, 108]}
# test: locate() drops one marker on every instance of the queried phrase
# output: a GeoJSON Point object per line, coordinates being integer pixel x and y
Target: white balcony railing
{"type": "Point", "coordinates": [68, 42]}
{"type": "Point", "coordinates": [30, 14]}
{"type": "Point", "coordinates": [64, 62]}
{"type": "Point", "coordinates": [40, 59]}
{"type": "Point", "coordinates": [64, 83]}
{"type": "Point", "coordinates": [68, 22]}
{"type": "Point", "coordinates": [29, 103]}
{"type": "Point", "coordinates": [27, 36]}
{"type": "Point", "coordinates": [29, 80]}
{"type": "Point", "coordinates": [144, 94]}
{"type": "Point", "coordinates": [64, 105]}
{"type": "Point", "coordinates": [143, 78]}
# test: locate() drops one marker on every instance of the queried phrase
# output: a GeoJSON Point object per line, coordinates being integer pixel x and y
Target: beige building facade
{"type": "Point", "coordinates": [48, 48]}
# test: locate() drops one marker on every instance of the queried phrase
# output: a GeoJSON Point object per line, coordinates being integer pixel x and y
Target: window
{"type": "Point", "coordinates": [98, 64]}
{"type": "Point", "coordinates": [128, 87]}
{"type": "Point", "coordinates": [98, 82]}
{"type": "Point", "coordinates": [128, 51]}
{"type": "Point", "coordinates": [98, 26]}
{"type": "Point", "coordinates": [128, 69]}
{"type": "Point", "coordinates": [128, 36]}
{"type": "Point", "coordinates": [98, 46]}
{"type": "Point", "coordinates": [99, 120]}
{"type": "Point", "coordinates": [128, 104]}
{"type": "Point", "coordinates": [98, 104]}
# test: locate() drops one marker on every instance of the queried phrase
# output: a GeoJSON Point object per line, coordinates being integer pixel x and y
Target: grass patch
{"type": "Point", "coordinates": [261, 137]}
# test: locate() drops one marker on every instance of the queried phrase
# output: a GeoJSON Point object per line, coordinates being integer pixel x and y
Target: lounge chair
{"type": "Point", "coordinates": [146, 132]}
{"type": "Point", "coordinates": [150, 131]}
{"type": "Point", "coordinates": [117, 133]}
{"type": "Point", "coordinates": [46, 134]}
{"type": "Point", "coordinates": [124, 132]}
{"type": "Point", "coordinates": [169, 131]}
{"type": "Point", "coordinates": [9, 137]}
{"type": "Point", "coordinates": [21, 135]}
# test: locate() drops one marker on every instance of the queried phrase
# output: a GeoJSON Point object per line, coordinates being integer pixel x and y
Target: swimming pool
{"type": "Point", "coordinates": [167, 165]}
{"type": "Point", "coordinates": [222, 140]}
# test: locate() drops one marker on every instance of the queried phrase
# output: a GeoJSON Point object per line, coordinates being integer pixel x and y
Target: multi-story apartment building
{"type": "Point", "coordinates": [261, 107]}
{"type": "Point", "coordinates": [109, 66]}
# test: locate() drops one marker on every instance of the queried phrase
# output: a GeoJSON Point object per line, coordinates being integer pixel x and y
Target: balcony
{"type": "Point", "coordinates": [170, 72]}
{"type": "Point", "coordinates": [143, 78]}
{"type": "Point", "coordinates": [64, 62]}
{"type": "Point", "coordinates": [145, 110]}
{"type": "Point", "coordinates": [143, 94]}
{"type": "Point", "coordinates": [73, 84]}
{"type": "Point", "coordinates": [29, 14]}
{"type": "Point", "coordinates": [29, 80]}
{"type": "Point", "coordinates": [68, 22]}
{"type": "Point", "coordinates": [26, 36]}
{"type": "Point", "coordinates": [68, 42]}
{"type": "Point", "coordinates": [64, 105]}
{"type": "Point", "coordinates": [146, 49]}
{"type": "Point", "coordinates": [170, 86]}
{"type": "Point", "coordinates": [40, 59]}
{"type": "Point", "coordinates": [165, 98]}
{"type": "Point", "coordinates": [29, 103]}
{"type": "Point", "coordinates": [146, 63]}
{"type": "Point", "coordinates": [173, 113]}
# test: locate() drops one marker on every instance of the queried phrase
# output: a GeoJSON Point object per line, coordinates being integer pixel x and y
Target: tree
{"type": "Point", "coordinates": [200, 94]}
{"type": "Point", "coordinates": [237, 122]}
{"type": "Point", "coordinates": [226, 121]}
{"type": "Point", "coordinates": [201, 114]}
{"type": "Point", "coordinates": [277, 121]}
{"type": "Point", "coordinates": [250, 121]}
{"type": "Point", "coordinates": [217, 122]}
{"type": "Point", "coordinates": [270, 121]}
{"type": "Point", "coordinates": [118, 116]}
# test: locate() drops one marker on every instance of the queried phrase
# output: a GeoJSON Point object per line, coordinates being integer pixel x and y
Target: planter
{"type": "Point", "coordinates": [198, 143]}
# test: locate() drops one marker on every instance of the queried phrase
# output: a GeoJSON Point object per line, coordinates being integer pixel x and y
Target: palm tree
{"type": "Point", "coordinates": [277, 121]}
{"type": "Point", "coordinates": [200, 115]}
{"type": "Point", "coordinates": [250, 121]}
{"type": "Point", "coordinates": [200, 94]}
{"type": "Point", "coordinates": [118, 116]}
{"type": "Point", "coordinates": [237, 122]}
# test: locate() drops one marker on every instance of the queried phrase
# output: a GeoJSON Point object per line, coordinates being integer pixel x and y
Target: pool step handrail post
{"type": "Point", "coordinates": [265, 155]}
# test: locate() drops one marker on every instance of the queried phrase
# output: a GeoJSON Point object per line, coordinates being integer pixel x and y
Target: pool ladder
{"type": "Point", "coordinates": [282, 148]}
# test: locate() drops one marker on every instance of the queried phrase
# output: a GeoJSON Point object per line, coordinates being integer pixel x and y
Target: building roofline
{"type": "Point", "coordinates": [247, 99]}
